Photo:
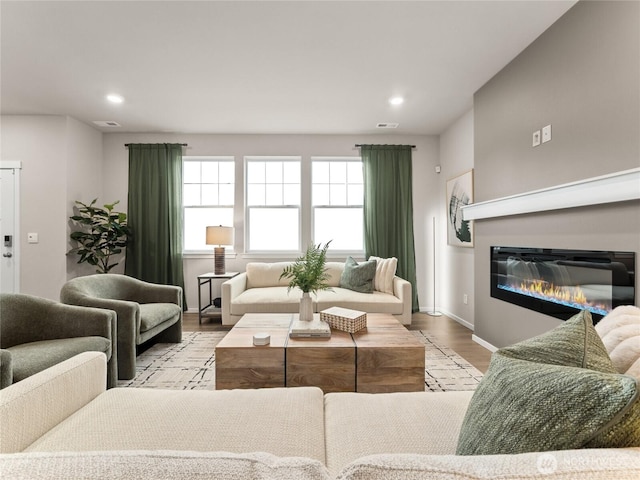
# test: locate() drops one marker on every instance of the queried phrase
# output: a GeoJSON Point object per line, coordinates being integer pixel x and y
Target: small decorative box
{"type": "Point", "coordinates": [261, 339]}
{"type": "Point", "coordinates": [344, 319]}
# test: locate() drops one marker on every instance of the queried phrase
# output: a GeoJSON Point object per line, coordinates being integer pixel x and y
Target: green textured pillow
{"type": "Point", "coordinates": [358, 277]}
{"type": "Point", "coordinates": [557, 391]}
{"type": "Point", "coordinates": [574, 343]}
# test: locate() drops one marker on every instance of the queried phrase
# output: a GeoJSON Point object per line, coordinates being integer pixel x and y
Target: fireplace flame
{"type": "Point", "coordinates": [574, 295]}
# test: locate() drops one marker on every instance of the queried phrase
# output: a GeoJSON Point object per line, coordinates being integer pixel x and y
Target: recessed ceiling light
{"type": "Point", "coordinates": [396, 100]}
{"type": "Point", "coordinates": [115, 98]}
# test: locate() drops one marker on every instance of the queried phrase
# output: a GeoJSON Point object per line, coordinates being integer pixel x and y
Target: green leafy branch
{"type": "Point", "coordinates": [308, 272]}
{"type": "Point", "coordinates": [102, 233]}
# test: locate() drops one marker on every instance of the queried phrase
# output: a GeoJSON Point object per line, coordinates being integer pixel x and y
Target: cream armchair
{"type": "Point", "coordinates": [145, 311]}
{"type": "Point", "coordinates": [37, 333]}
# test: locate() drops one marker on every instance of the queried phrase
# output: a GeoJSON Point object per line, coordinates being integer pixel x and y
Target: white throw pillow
{"type": "Point", "coordinates": [260, 275]}
{"type": "Point", "coordinates": [620, 333]}
{"type": "Point", "coordinates": [385, 271]}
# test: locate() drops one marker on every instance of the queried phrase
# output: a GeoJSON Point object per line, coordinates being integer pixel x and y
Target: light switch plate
{"type": "Point", "coordinates": [546, 134]}
{"type": "Point", "coordinates": [536, 138]}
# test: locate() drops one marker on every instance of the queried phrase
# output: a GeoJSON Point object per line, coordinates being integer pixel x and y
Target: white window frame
{"type": "Point", "coordinates": [229, 250]}
{"type": "Point", "coordinates": [247, 208]}
{"type": "Point", "coordinates": [359, 253]}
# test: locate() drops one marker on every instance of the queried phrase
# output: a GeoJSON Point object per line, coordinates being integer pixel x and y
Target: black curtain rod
{"type": "Point", "coordinates": [183, 144]}
{"type": "Point", "coordinates": [360, 145]}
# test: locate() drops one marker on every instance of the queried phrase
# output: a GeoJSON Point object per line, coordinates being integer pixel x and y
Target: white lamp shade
{"type": "Point", "coordinates": [220, 235]}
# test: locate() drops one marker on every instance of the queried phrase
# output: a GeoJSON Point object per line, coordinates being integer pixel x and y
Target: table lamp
{"type": "Point", "coordinates": [219, 236]}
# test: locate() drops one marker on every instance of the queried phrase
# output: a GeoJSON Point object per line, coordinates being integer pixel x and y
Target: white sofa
{"type": "Point", "coordinates": [61, 423]}
{"type": "Point", "coordinates": [261, 290]}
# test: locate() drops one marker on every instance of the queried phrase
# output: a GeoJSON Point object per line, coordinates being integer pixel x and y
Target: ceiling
{"type": "Point", "coordinates": [320, 67]}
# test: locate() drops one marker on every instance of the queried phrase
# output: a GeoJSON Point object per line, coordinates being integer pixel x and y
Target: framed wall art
{"type": "Point", "coordinates": [459, 194]}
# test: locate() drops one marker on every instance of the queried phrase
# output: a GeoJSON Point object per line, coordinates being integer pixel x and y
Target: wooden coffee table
{"type": "Point", "coordinates": [384, 357]}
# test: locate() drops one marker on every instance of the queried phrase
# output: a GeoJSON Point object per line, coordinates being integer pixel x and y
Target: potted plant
{"type": "Point", "coordinates": [102, 233]}
{"type": "Point", "coordinates": [309, 274]}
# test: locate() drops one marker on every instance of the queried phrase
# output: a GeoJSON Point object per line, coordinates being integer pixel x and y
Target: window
{"type": "Point", "coordinates": [337, 202]}
{"type": "Point", "coordinates": [273, 203]}
{"type": "Point", "coordinates": [208, 197]}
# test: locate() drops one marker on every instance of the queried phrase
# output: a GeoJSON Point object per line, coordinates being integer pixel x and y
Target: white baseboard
{"type": "Point", "coordinates": [461, 321]}
{"type": "Point", "coordinates": [484, 343]}
{"type": "Point", "coordinates": [466, 324]}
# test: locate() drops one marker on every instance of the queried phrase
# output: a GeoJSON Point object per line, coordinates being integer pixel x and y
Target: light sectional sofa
{"type": "Point", "coordinates": [62, 423]}
{"type": "Point", "coordinates": [261, 290]}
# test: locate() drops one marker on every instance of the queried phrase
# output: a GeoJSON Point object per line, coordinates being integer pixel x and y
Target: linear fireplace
{"type": "Point", "coordinates": [562, 282]}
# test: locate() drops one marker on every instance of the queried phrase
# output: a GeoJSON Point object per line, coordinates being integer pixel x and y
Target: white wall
{"type": "Point", "coordinates": [65, 160]}
{"type": "Point", "coordinates": [425, 183]}
{"type": "Point", "coordinates": [51, 149]}
{"type": "Point", "coordinates": [84, 180]}
{"type": "Point", "coordinates": [455, 264]}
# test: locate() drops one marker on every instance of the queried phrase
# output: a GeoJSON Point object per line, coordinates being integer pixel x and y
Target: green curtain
{"type": "Point", "coordinates": [388, 208]}
{"type": "Point", "coordinates": [154, 253]}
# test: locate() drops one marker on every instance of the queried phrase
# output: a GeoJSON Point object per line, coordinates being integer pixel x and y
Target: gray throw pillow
{"type": "Point", "coordinates": [358, 277]}
{"type": "Point", "coordinates": [557, 391]}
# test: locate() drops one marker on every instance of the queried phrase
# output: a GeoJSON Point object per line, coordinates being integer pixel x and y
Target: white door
{"type": "Point", "coordinates": [9, 203]}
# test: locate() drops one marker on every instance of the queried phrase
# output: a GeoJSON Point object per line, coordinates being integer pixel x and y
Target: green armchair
{"type": "Point", "coordinates": [37, 333]}
{"type": "Point", "coordinates": [144, 310]}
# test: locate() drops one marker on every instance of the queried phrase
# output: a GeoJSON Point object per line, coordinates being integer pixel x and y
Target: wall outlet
{"type": "Point", "coordinates": [32, 238]}
{"type": "Point", "coordinates": [465, 299]}
{"type": "Point", "coordinates": [536, 138]}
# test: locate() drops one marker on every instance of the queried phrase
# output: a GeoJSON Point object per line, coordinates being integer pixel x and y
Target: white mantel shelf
{"type": "Point", "coordinates": [614, 187]}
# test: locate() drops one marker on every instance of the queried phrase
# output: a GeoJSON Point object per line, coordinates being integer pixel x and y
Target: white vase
{"type": "Point", "coordinates": [306, 308]}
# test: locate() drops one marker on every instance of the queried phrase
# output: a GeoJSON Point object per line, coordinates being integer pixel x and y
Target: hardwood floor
{"type": "Point", "coordinates": [452, 334]}
{"type": "Point", "coordinates": [447, 332]}
{"type": "Point", "coordinates": [190, 324]}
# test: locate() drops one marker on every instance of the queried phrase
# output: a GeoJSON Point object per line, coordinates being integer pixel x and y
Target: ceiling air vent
{"type": "Point", "coordinates": [106, 123]}
{"type": "Point", "coordinates": [387, 125]}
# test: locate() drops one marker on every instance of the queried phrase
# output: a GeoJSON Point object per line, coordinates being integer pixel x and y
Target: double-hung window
{"type": "Point", "coordinates": [208, 198]}
{"type": "Point", "coordinates": [273, 204]}
{"type": "Point", "coordinates": [337, 202]}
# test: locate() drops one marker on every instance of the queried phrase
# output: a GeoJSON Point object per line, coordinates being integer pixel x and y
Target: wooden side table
{"type": "Point", "coordinates": [240, 364]}
{"type": "Point", "coordinates": [209, 310]}
{"type": "Point", "coordinates": [390, 358]}
{"type": "Point", "coordinates": [327, 363]}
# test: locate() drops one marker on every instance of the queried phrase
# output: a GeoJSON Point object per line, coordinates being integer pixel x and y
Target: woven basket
{"type": "Point", "coordinates": [344, 319]}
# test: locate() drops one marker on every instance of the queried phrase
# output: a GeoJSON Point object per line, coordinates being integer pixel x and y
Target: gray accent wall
{"type": "Point", "coordinates": [582, 76]}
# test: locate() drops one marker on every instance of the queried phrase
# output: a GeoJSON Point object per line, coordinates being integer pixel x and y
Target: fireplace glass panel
{"type": "Point", "coordinates": [561, 282]}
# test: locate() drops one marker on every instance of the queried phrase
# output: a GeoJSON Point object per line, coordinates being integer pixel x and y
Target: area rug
{"type": "Point", "coordinates": [445, 370]}
{"type": "Point", "coordinates": [190, 365]}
